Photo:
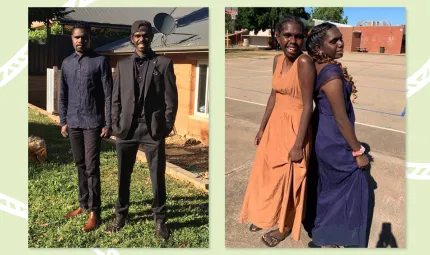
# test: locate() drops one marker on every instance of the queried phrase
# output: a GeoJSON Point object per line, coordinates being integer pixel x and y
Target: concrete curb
{"type": "Point", "coordinates": [172, 170]}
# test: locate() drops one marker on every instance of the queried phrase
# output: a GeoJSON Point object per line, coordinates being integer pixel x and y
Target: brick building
{"type": "Point", "coordinates": [188, 47]}
{"type": "Point", "coordinates": [391, 38]}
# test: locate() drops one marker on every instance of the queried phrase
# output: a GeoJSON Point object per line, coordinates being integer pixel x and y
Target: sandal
{"type": "Point", "coordinates": [254, 228]}
{"type": "Point", "coordinates": [270, 240]}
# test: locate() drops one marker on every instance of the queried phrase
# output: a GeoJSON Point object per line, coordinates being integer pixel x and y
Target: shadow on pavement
{"type": "Point", "coordinates": [386, 237]}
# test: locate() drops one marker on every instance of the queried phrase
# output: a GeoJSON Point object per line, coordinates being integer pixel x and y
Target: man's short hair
{"type": "Point", "coordinates": [82, 25]}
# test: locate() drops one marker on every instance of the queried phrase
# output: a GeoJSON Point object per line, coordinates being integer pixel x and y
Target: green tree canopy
{"type": "Point", "coordinates": [39, 36]}
{"type": "Point", "coordinates": [229, 24]}
{"type": "Point", "coordinates": [255, 19]}
{"type": "Point", "coordinates": [333, 14]}
{"type": "Point", "coordinates": [45, 14]}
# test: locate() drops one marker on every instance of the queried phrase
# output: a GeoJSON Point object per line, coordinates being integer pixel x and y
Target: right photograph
{"type": "Point", "coordinates": [315, 113]}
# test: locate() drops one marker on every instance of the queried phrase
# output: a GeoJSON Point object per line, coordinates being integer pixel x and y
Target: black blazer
{"type": "Point", "coordinates": [160, 97]}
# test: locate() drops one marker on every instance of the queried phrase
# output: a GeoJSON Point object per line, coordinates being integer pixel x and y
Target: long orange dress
{"type": "Point", "coordinates": [276, 188]}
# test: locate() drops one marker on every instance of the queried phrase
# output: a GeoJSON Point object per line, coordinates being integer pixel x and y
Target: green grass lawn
{"type": "Point", "coordinates": [53, 192]}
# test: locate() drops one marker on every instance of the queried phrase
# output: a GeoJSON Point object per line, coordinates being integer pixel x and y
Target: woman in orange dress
{"type": "Point", "coordinates": [276, 188]}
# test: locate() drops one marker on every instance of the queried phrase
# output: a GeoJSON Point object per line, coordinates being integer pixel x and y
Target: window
{"type": "Point", "coordinates": [201, 103]}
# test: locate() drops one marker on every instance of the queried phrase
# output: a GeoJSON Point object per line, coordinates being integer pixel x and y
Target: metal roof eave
{"type": "Point", "coordinates": [95, 24]}
{"type": "Point", "coordinates": [162, 50]}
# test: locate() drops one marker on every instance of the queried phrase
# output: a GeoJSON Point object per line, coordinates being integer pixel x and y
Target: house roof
{"type": "Point", "coordinates": [118, 16]}
{"type": "Point", "coordinates": [260, 33]}
{"type": "Point", "coordinates": [238, 32]}
{"type": "Point", "coordinates": [192, 31]}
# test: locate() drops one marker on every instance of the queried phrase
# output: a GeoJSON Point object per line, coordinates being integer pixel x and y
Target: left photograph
{"type": "Point", "coordinates": [118, 127]}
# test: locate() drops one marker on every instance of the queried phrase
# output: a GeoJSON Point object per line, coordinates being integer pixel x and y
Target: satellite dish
{"type": "Point", "coordinates": [165, 24]}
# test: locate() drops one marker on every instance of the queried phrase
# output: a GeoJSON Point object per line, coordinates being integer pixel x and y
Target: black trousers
{"type": "Point", "coordinates": [86, 144]}
{"type": "Point", "coordinates": [156, 157]}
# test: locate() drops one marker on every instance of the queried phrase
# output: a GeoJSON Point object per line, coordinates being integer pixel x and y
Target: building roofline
{"type": "Point", "coordinates": [161, 50]}
{"type": "Point", "coordinates": [95, 24]}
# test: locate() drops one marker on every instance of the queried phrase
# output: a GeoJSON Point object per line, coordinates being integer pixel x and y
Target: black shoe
{"type": "Point", "coordinates": [117, 224]}
{"type": "Point", "coordinates": [161, 229]}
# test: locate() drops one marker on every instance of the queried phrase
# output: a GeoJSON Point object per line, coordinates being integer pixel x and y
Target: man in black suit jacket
{"type": "Point", "coordinates": [144, 107]}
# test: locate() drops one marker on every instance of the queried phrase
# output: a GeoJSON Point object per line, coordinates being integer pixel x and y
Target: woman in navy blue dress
{"type": "Point", "coordinates": [342, 196]}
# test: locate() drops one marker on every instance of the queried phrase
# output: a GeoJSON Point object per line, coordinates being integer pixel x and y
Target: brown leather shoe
{"type": "Point", "coordinates": [74, 213]}
{"type": "Point", "coordinates": [93, 222]}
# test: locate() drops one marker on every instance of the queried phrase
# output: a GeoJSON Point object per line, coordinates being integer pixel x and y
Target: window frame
{"type": "Point", "coordinates": [197, 88]}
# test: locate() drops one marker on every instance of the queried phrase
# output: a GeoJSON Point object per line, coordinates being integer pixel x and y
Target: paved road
{"type": "Point", "coordinates": [380, 80]}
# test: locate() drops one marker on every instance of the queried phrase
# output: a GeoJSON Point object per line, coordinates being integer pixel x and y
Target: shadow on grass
{"type": "Point", "coordinates": [187, 208]}
{"type": "Point", "coordinates": [183, 207]}
{"type": "Point", "coordinates": [187, 224]}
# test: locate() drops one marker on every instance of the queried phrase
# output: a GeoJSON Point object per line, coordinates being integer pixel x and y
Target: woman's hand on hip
{"type": "Point", "coordinates": [362, 161]}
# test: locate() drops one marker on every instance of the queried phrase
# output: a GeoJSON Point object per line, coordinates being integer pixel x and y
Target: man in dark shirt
{"type": "Point", "coordinates": [144, 107]}
{"type": "Point", "coordinates": [85, 100]}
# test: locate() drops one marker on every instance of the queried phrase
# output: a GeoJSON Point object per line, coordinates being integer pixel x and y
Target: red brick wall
{"type": "Point", "coordinates": [389, 37]}
{"type": "Point", "coordinates": [356, 40]}
{"type": "Point", "coordinates": [347, 38]}
{"type": "Point", "coordinates": [185, 75]}
{"type": "Point", "coordinates": [185, 71]}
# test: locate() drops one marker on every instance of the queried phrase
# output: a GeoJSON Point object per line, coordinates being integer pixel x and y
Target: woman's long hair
{"type": "Point", "coordinates": [316, 38]}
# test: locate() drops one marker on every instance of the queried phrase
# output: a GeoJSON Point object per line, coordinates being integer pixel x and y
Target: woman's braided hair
{"type": "Point", "coordinates": [293, 19]}
{"type": "Point", "coordinates": [316, 38]}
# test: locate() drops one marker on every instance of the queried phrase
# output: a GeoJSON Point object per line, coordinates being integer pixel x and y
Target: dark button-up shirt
{"type": "Point", "coordinates": [85, 91]}
{"type": "Point", "coordinates": [140, 71]}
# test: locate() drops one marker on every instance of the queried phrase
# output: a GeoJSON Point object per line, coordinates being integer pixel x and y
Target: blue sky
{"type": "Point", "coordinates": [395, 15]}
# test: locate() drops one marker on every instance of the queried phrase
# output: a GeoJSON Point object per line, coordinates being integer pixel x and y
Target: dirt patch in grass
{"type": "Point", "coordinates": [188, 153]}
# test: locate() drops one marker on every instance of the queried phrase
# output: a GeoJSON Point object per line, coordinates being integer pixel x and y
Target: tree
{"type": "Point", "coordinates": [39, 36]}
{"type": "Point", "coordinates": [333, 14]}
{"type": "Point", "coordinates": [45, 14]}
{"type": "Point", "coordinates": [255, 19]}
{"type": "Point", "coordinates": [229, 24]}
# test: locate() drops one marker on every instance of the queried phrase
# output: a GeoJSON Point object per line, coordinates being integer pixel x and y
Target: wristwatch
{"type": "Point", "coordinates": [359, 153]}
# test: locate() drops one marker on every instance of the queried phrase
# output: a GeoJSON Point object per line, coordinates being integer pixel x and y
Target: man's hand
{"type": "Point", "coordinates": [64, 131]}
{"type": "Point", "coordinates": [106, 133]}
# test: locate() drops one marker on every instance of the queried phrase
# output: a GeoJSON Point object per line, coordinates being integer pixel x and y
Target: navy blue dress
{"type": "Point", "coordinates": [342, 195]}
